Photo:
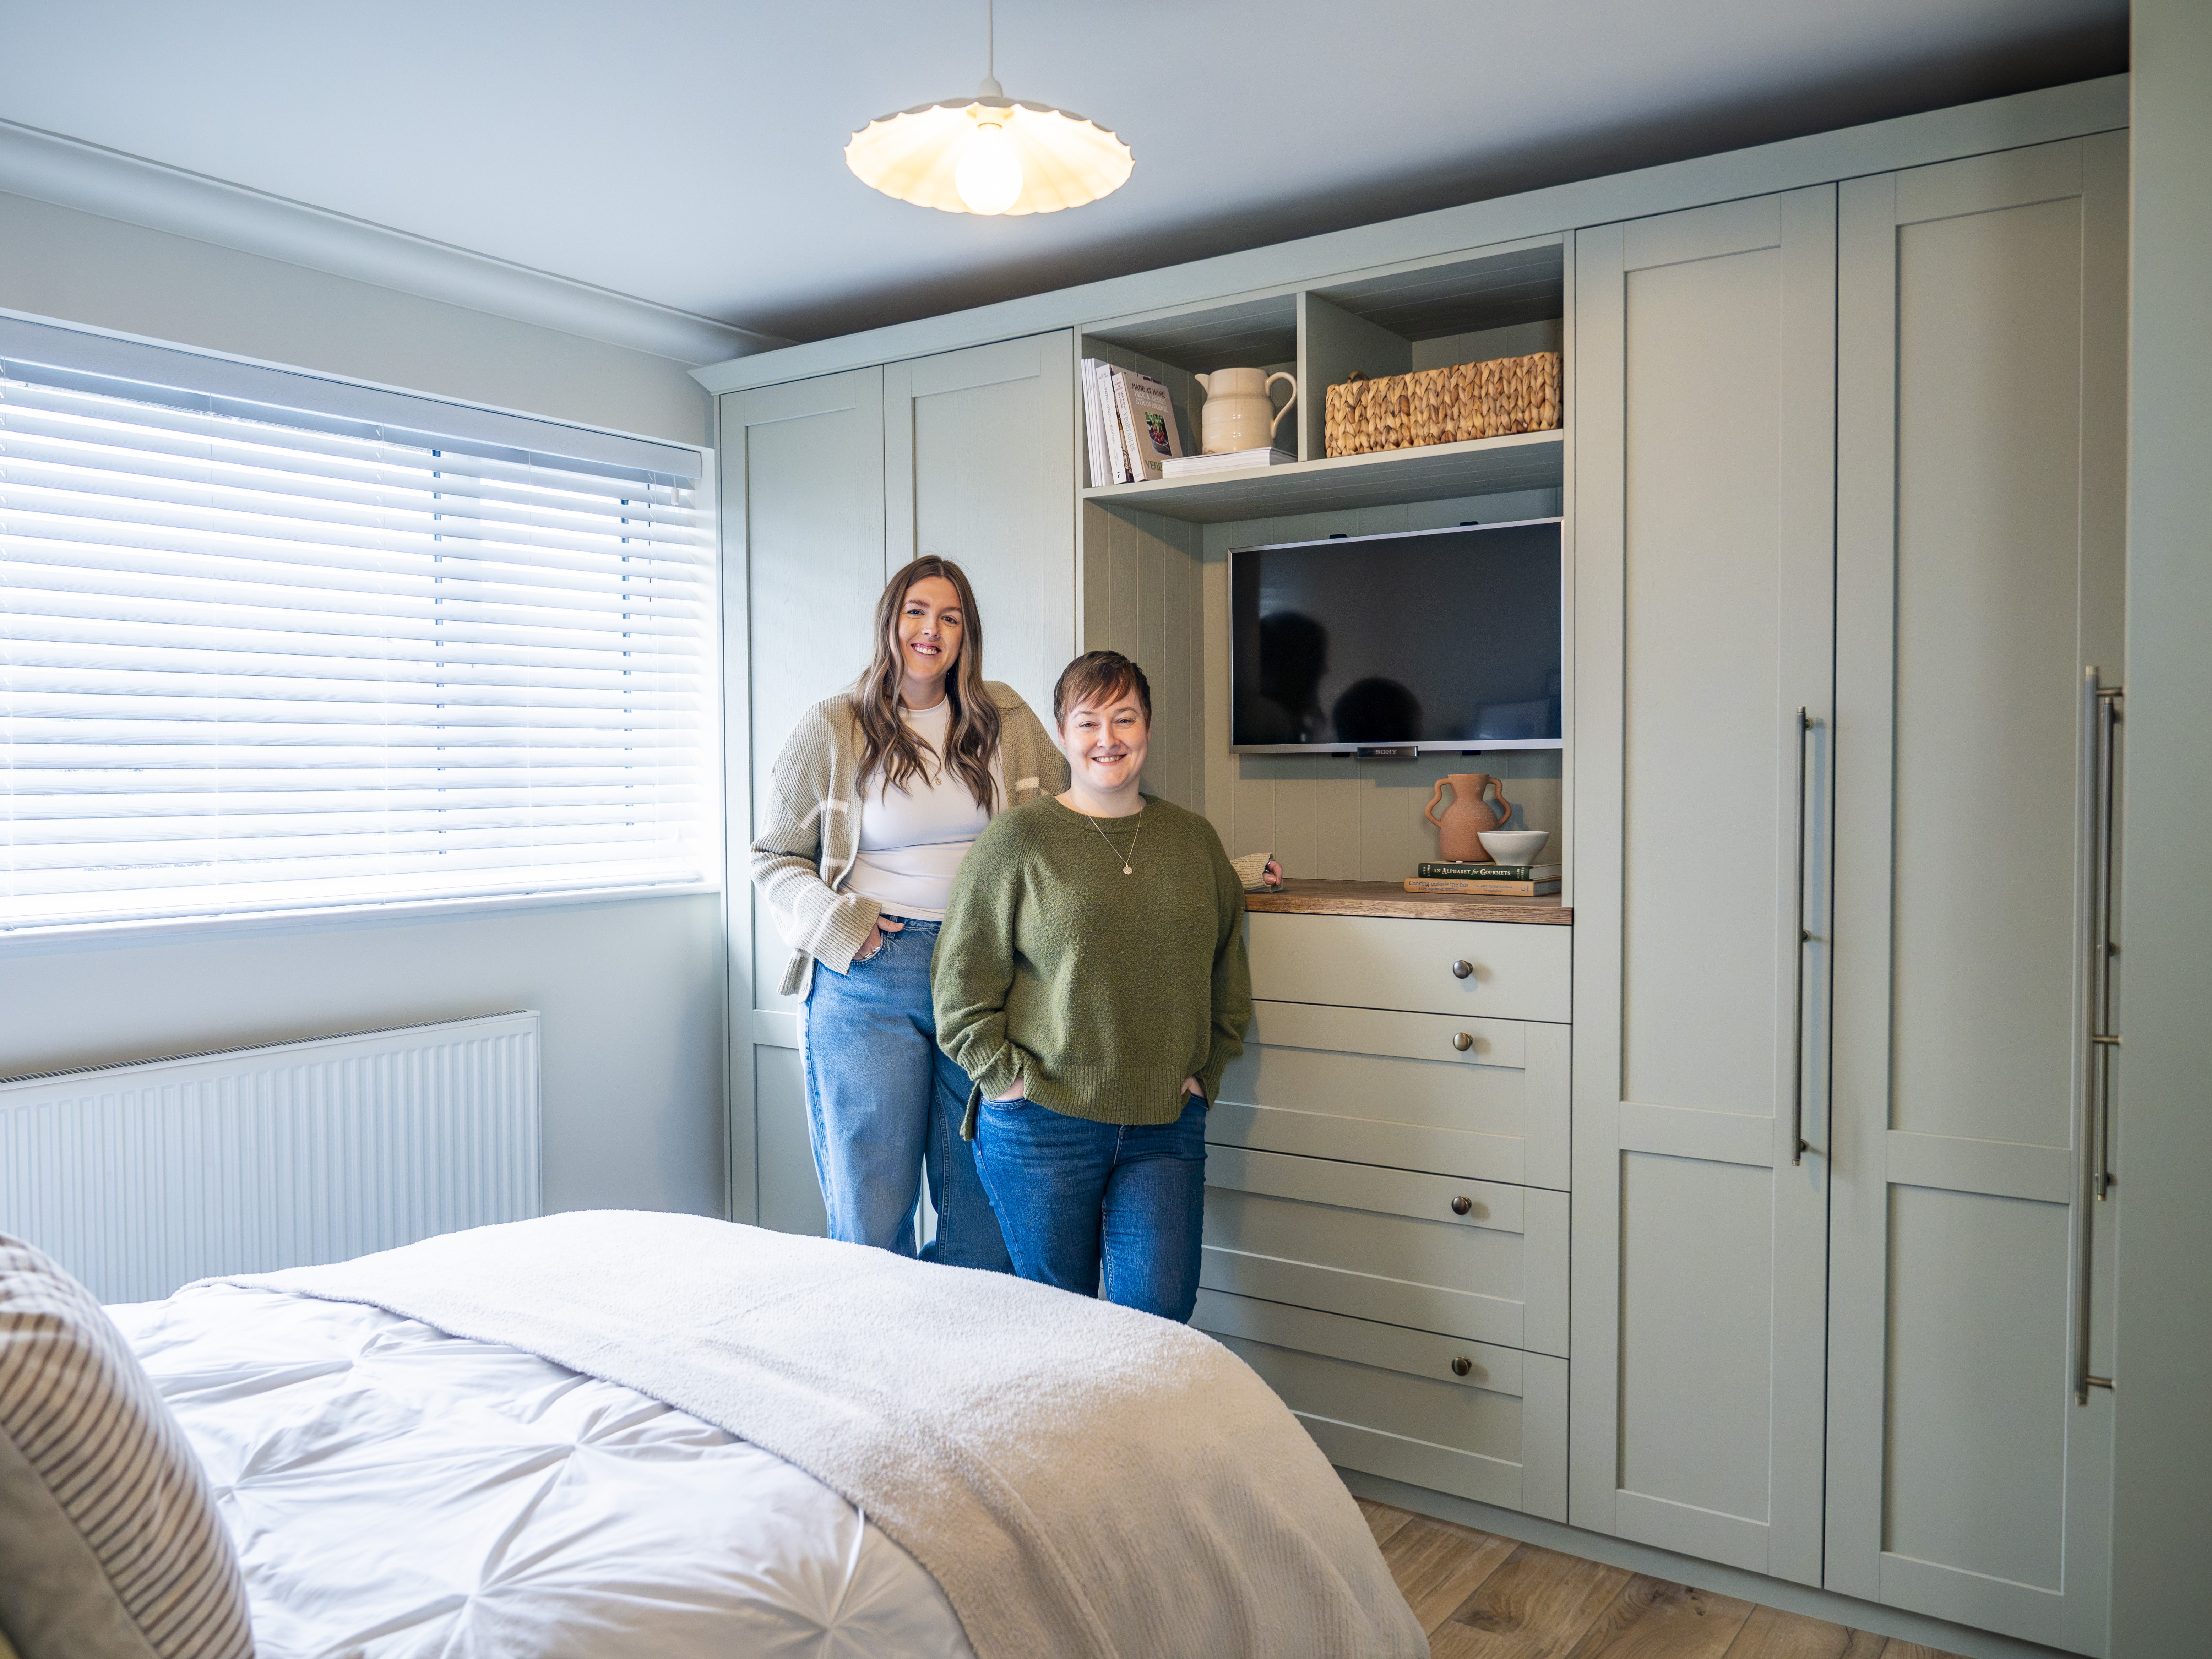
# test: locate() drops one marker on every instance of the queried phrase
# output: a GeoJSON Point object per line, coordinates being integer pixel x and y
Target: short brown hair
{"type": "Point", "coordinates": [1099, 677]}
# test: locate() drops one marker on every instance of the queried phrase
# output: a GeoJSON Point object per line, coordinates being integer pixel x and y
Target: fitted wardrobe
{"type": "Point", "coordinates": [1803, 1177]}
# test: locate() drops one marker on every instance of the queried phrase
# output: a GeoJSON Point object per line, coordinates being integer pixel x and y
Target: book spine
{"type": "Point", "coordinates": [1477, 871]}
{"type": "Point", "coordinates": [1480, 889]}
{"type": "Point", "coordinates": [1109, 422]}
{"type": "Point", "coordinates": [1142, 464]}
{"type": "Point", "coordinates": [1093, 432]}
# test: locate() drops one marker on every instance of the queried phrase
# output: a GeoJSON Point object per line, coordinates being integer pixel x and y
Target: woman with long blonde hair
{"type": "Point", "coordinates": [878, 795]}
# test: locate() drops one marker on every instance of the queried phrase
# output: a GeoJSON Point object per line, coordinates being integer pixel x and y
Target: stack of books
{"type": "Point", "coordinates": [1235, 461]}
{"type": "Point", "coordinates": [1486, 880]}
{"type": "Point", "coordinates": [1130, 422]}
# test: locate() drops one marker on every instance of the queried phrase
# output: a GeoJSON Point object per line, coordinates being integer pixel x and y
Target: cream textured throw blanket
{"type": "Point", "coordinates": [1083, 1479]}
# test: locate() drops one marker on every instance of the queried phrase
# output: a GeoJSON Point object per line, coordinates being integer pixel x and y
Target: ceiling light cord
{"type": "Point", "coordinates": [991, 88]}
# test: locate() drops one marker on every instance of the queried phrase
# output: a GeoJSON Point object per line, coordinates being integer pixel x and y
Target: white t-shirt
{"type": "Point", "coordinates": [912, 840]}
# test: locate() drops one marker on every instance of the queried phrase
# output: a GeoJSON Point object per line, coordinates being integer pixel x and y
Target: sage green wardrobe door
{"type": "Point", "coordinates": [1703, 566]}
{"type": "Point", "coordinates": [803, 556]}
{"type": "Point", "coordinates": [978, 457]}
{"type": "Point", "coordinates": [1981, 449]}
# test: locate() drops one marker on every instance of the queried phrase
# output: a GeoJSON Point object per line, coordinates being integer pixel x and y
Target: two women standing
{"type": "Point", "coordinates": [1085, 943]}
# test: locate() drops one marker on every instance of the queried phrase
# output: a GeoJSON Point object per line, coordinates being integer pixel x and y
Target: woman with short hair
{"type": "Point", "coordinates": [878, 795]}
{"type": "Point", "coordinates": [1091, 980]}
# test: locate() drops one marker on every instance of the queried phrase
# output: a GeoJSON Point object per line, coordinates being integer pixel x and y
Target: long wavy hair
{"type": "Point", "coordinates": [887, 741]}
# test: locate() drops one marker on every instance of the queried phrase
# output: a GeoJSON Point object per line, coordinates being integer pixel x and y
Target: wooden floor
{"type": "Point", "coordinates": [1479, 1596]}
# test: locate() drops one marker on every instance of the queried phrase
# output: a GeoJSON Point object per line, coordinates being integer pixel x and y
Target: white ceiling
{"type": "Point", "coordinates": [688, 152]}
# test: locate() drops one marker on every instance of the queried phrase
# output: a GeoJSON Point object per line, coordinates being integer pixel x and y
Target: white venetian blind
{"type": "Point", "coordinates": [254, 665]}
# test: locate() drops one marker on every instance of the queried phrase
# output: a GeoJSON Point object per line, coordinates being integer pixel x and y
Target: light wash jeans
{"type": "Point", "coordinates": [883, 1103]}
{"type": "Point", "coordinates": [1076, 1197]}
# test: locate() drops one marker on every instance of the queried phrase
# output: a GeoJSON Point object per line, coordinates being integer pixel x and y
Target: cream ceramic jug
{"type": "Point", "coordinates": [1239, 414]}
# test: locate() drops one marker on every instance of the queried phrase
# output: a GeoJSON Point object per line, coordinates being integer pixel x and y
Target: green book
{"type": "Point", "coordinates": [1431, 870]}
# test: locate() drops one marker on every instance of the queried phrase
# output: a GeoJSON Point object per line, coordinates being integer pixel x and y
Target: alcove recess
{"type": "Point", "coordinates": [1258, 332]}
{"type": "Point", "coordinates": [1504, 301]}
{"type": "Point", "coordinates": [1153, 580]}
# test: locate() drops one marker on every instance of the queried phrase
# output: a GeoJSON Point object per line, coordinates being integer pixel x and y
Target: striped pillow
{"type": "Point", "coordinates": [113, 1544]}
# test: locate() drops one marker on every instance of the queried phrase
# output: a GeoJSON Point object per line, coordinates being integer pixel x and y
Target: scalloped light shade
{"type": "Point", "coordinates": [916, 153]}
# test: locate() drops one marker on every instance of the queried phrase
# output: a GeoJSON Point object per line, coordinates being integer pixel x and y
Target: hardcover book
{"type": "Point", "coordinates": [1480, 889]}
{"type": "Point", "coordinates": [1109, 425]}
{"type": "Point", "coordinates": [1094, 426]}
{"type": "Point", "coordinates": [1148, 423]}
{"type": "Point", "coordinates": [1436, 870]}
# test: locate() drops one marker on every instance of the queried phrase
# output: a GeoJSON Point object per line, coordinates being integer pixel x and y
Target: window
{"type": "Point", "coordinates": [283, 651]}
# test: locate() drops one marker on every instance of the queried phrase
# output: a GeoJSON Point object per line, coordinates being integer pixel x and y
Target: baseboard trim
{"type": "Point", "coordinates": [1962, 1640]}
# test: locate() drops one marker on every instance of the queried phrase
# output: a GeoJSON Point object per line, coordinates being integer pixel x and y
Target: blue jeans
{"type": "Point", "coordinates": [1074, 1195]}
{"type": "Point", "coordinates": [883, 1104]}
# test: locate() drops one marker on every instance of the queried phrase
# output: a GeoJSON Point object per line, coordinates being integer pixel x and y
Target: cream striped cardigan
{"type": "Point", "coordinates": [811, 834]}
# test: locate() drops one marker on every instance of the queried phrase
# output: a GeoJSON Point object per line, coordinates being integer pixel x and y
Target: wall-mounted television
{"type": "Point", "coordinates": [1427, 640]}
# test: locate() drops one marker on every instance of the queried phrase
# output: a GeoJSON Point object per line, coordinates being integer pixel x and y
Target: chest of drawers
{"type": "Point", "coordinates": [1386, 1223]}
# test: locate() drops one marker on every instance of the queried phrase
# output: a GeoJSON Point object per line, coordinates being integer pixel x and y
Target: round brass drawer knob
{"type": "Point", "coordinates": [1461, 1206]}
{"type": "Point", "coordinates": [1462, 1042]}
{"type": "Point", "coordinates": [1461, 969]}
{"type": "Point", "coordinates": [1462, 1365]}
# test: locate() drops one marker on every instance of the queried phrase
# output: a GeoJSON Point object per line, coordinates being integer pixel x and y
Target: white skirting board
{"type": "Point", "coordinates": [141, 1178]}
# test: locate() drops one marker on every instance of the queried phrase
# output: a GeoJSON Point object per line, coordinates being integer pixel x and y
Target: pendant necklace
{"type": "Point", "coordinates": [1108, 840]}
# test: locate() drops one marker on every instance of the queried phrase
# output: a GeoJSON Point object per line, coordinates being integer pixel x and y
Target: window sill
{"type": "Point", "coordinates": [29, 941]}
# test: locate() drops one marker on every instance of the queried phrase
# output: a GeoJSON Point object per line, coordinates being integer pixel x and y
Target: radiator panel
{"type": "Point", "coordinates": [141, 1178]}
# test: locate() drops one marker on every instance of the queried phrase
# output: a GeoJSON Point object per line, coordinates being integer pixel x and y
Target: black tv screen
{"type": "Point", "coordinates": [1442, 639]}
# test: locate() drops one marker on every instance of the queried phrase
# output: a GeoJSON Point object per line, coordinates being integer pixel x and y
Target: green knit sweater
{"type": "Point", "coordinates": [1100, 992]}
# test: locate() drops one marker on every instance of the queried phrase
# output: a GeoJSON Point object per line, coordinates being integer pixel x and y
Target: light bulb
{"type": "Point", "coordinates": [989, 177]}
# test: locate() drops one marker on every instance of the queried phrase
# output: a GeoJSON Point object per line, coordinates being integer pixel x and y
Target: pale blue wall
{"type": "Point", "coordinates": [631, 991]}
{"type": "Point", "coordinates": [2162, 1363]}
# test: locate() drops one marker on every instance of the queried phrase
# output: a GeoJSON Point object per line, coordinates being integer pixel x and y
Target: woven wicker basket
{"type": "Point", "coordinates": [1445, 405]}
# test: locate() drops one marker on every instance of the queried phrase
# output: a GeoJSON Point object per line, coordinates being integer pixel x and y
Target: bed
{"type": "Point", "coordinates": [612, 1434]}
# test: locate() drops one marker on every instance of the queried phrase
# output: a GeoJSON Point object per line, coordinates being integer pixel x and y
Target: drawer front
{"type": "Point", "coordinates": [1389, 1245]}
{"type": "Point", "coordinates": [1388, 1401]}
{"type": "Point", "coordinates": [1515, 970]}
{"type": "Point", "coordinates": [1368, 1087]}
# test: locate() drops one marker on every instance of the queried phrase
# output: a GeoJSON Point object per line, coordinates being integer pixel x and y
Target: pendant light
{"type": "Point", "coordinates": [989, 154]}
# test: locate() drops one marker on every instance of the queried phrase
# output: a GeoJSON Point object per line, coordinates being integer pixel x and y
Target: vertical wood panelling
{"type": "Point", "coordinates": [142, 1178]}
{"type": "Point", "coordinates": [1140, 573]}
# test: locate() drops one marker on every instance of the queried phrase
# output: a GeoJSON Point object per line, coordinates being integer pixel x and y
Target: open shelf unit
{"type": "Point", "coordinates": [1469, 308]}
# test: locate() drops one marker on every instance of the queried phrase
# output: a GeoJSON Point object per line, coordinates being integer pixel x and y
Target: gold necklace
{"type": "Point", "coordinates": [1108, 840]}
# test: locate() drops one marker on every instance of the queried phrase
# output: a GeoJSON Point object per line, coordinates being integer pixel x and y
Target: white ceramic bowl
{"type": "Point", "coordinates": [1515, 846]}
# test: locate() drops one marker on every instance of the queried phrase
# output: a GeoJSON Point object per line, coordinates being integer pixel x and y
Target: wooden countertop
{"type": "Point", "coordinates": [1312, 895]}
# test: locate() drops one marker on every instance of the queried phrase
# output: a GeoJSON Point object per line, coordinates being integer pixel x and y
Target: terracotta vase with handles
{"type": "Point", "coordinates": [1459, 832]}
{"type": "Point", "coordinates": [1238, 412]}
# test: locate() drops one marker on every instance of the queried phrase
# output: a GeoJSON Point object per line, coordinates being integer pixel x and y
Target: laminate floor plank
{"type": "Point", "coordinates": [1481, 1596]}
{"type": "Point", "coordinates": [1770, 1633]}
{"type": "Point", "coordinates": [1439, 1566]}
{"type": "Point", "coordinates": [1382, 1519]}
{"type": "Point", "coordinates": [1535, 1605]}
{"type": "Point", "coordinates": [1658, 1618]}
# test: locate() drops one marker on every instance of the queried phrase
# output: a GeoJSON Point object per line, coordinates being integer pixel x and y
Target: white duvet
{"type": "Point", "coordinates": [396, 1492]}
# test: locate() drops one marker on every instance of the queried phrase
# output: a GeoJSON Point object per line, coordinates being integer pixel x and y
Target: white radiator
{"type": "Point", "coordinates": [141, 1178]}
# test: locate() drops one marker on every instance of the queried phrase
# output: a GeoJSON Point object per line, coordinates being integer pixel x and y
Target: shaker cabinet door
{"type": "Point", "coordinates": [802, 507]}
{"type": "Point", "coordinates": [979, 458]}
{"type": "Point", "coordinates": [1983, 328]}
{"type": "Point", "coordinates": [1704, 571]}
